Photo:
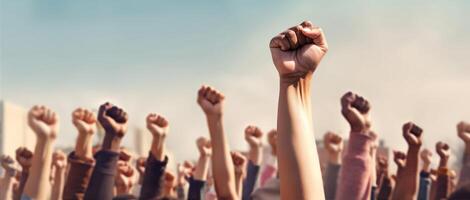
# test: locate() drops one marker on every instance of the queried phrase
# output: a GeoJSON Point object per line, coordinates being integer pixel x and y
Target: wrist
{"type": "Point", "coordinates": [443, 162]}
{"type": "Point", "coordinates": [334, 158]}
{"type": "Point", "coordinates": [157, 149]}
{"type": "Point", "coordinates": [111, 142]}
{"type": "Point", "coordinates": [427, 167]}
{"type": "Point", "coordinates": [255, 155]}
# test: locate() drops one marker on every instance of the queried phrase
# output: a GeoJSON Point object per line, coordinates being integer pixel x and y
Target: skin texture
{"type": "Point", "coordinates": [185, 170]}
{"type": "Point", "coordinates": [272, 140]}
{"type": "Point", "coordinates": [169, 185]}
{"type": "Point", "coordinates": [296, 54]}
{"type": "Point", "coordinates": [45, 124]}
{"type": "Point", "coordinates": [334, 147]}
{"type": "Point", "coordinates": [6, 182]}
{"type": "Point", "coordinates": [407, 180]}
{"type": "Point", "coordinates": [125, 177]}
{"type": "Point", "coordinates": [426, 156]}
{"type": "Point", "coordinates": [159, 127]}
{"type": "Point", "coordinates": [85, 122]}
{"type": "Point", "coordinates": [463, 131]}
{"type": "Point", "coordinates": [205, 152]}
{"type": "Point", "coordinates": [211, 102]}
{"type": "Point", "coordinates": [59, 162]}
{"type": "Point", "coordinates": [114, 130]}
{"type": "Point", "coordinates": [140, 167]}
{"type": "Point", "coordinates": [253, 137]}
{"type": "Point", "coordinates": [239, 163]}
{"type": "Point", "coordinates": [24, 158]}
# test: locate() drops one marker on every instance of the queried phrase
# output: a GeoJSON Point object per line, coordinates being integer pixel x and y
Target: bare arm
{"type": "Point", "coordinates": [44, 123]}
{"type": "Point", "coordinates": [239, 163]}
{"type": "Point", "coordinates": [205, 153]}
{"type": "Point", "coordinates": [6, 182]}
{"type": "Point", "coordinates": [59, 162]}
{"type": "Point", "coordinates": [296, 53]}
{"type": "Point", "coordinates": [442, 189]}
{"type": "Point", "coordinates": [463, 130]}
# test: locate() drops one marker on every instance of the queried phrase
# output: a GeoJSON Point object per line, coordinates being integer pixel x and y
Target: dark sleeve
{"type": "Point", "coordinates": [424, 185]}
{"type": "Point", "coordinates": [23, 178]}
{"type": "Point", "coordinates": [77, 178]}
{"type": "Point", "coordinates": [250, 180]}
{"type": "Point", "coordinates": [385, 190]}
{"type": "Point", "coordinates": [153, 176]}
{"type": "Point", "coordinates": [442, 189]}
{"type": "Point", "coordinates": [101, 184]}
{"type": "Point", "coordinates": [195, 189]}
{"type": "Point", "coordinates": [372, 193]}
{"type": "Point", "coordinates": [331, 180]}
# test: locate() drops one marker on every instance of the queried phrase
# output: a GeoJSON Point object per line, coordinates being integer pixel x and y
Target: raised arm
{"type": "Point", "coordinates": [59, 162]}
{"type": "Point", "coordinates": [407, 180]}
{"type": "Point", "coordinates": [81, 159]}
{"type": "Point", "coordinates": [211, 102]}
{"type": "Point", "coordinates": [384, 185]}
{"type": "Point", "coordinates": [253, 137]}
{"type": "Point", "coordinates": [239, 163]}
{"type": "Point", "coordinates": [443, 179]}
{"type": "Point", "coordinates": [45, 123]}
{"type": "Point", "coordinates": [296, 54]}
{"type": "Point", "coordinates": [24, 157]}
{"type": "Point", "coordinates": [424, 175]}
{"type": "Point", "coordinates": [355, 177]}
{"type": "Point", "coordinates": [114, 121]}
{"type": "Point", "coordinates": [333, 144]}
{"type": "Point", "coordinates": [463, 131]}
{"type": "Point", "coordinates": [6, 182]}
{"type": "Point", "coordinates": [198, 180]}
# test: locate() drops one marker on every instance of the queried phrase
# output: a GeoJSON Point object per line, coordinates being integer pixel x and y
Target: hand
{"type": "Point", "coordinates": [239, 161]}
{"type": "Point", "coordinates": [298, 50]}
{"type": "Point", "coordinates": [24, 157]}
{"type": "Point", "coordinates": [157, 125]}
{"type": "Point", "coordinates": [84, 120]}
{"type": "Point", "coordinates": [211, 101]}
{"type": "Point", "coordinates": [169, 181]}
{"type": "Point", "coordinates": [184, 171]}
{"type": "Point", "coordinates": [334, 146]}
{"type": "Point", "coordinates": [443, 151]}
{"type": "Point", "coordinates": [8, 164]}
{"type": "Point", "coordinates": [124, 177]}
{"type": "Point", "coordinates": [140, 165]}
{"type": "Point", "coordinates": [124, 155]}
{"type": "Point", "coordinates": [399, 158]}
{"type": "Point", "coordinates": [358, 119]}
{"type": "Point", "coordinates": [463, 130]}
{"type": "Point", "coordinates": [113, 119]}
{"type": "Point", "coordinates": [253, 136]}
{"type": "Point", "coordinates": [426, 156]}
{"type": "Point", "coordinates": [272, 140]}
{"type": "Point", "coordinates": [59, 159]}
{"type": "Point", "coordinates": [44, 122]}
{"type": "Point", "coordinates": [382, 164]}
{"type": "Point", "coordinates": [412, 134]}
{"type": "Point", "coordinates": [204, 146]}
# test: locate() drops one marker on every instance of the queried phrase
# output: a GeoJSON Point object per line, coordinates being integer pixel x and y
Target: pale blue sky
{"type": "Point", "coordinates": [409, 58]}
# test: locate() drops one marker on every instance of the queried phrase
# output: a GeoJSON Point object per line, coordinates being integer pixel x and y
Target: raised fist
{"type": "Point", "coordinates": [125, 177]}
{"type": "Point", "coordinates": [157, 125]}
{"type": "Point", "coordinates": [426, 156]}
{"type": "Point", "coordinates": [8, 164]}
{"type": "Point", "coordinates": [239, 162]}
{"type": "Point", "coordinates": [113, 119]}
{"type": "Point", "coordinates": [356, 111]}
{"type": "Point", "coordinates": [210, 100]}
{"type": "Point", "coordinates": [382, 164]}
{"type": "Point", "coordinates": [412, 134]}
{"type": "Point", "coordinates": [463, 130]}
{"type": "Point", "coordinates": [140, 165]}
{"type": "Point", "coordinates": [298, 50]}
{"type": "Point", "coordinates": [169, 181]}
{"type": "Point", "coordinates": [399, 158]}
{"type": "Point", "coordinates": [204, 146]}
{"type": "Point", "coordinates": [59, 159]}
{"type": "Point", "coordinates": [253, 136]}
{"type": "Point", "coordinates": [24, 157]}
{"type": "Point", "coordinates": [333, 143]}
{"type": "Point", "coordinates": [84, 120]}
{"type": "Point", "coordinates": [443, 150]}
{"type": "Point", "coordinates": [44, 122]}
{"type": "Point", "coordinates": [272, 140]}
{"type": "Point", "coordinates": [184, 171]}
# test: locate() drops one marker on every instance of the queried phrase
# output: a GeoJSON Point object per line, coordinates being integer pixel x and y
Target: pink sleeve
{"type": "Point", "coordinates": [355, 177]}
{"type": "Point", "coordinates": [268, 172]}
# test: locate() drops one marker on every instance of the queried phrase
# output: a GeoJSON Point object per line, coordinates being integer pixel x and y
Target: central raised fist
{"type": "Point", "coordinates": [298, 50]}
{"type": "Point", "coordinates": [253, 136]}
{"type": "Point", "coordinates": [210, 100]}
{"type": "Point", "coordinates": [44, 122]}
{"type": "Point", "coordinates": [113, 119]}
{"type": "Point", "coordinates": [84, 120]}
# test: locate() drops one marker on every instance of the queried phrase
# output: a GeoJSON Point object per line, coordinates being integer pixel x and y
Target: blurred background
{"type": "Point", "coordinates": [409, 58]}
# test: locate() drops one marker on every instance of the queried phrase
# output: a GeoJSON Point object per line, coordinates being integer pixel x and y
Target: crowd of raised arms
{"type": "Point", "coordinates": [108, 171]}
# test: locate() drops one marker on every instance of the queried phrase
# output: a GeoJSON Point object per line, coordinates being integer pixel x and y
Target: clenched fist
{"type": "Point", "coordinates": [399, 158]}
{"type": "Point", "coordinates": [426, 156]}
{"type": "Point", "coordinates": [8, 165]}
{"type": "Point", "coordinates": [334, 146]}
{"type": "Point", "coordinates": [272, 140]}
{"type": "Point", "coordinates": [204, 146]}
{"type": "Point", "coordinates": [443, 150]}
{"type": "Point", "coordinates": [44, 122]}
{"type": "Point", "coordinates": [124, 177]}
{"type": "Point", "coordinates": [59, 159]}
{"type": "Point", "coordinates": [24, 157]}
{"type": "Point", "coordinates": [463, 130]}
{"type": "Point", "coordinates": [211, 101]}
{"type": "Point", "coordinates": [84, 120]}
{"type": "Point", "coordinates": [157, 125]}
{"type": "Point", "coordinates": [253, 136]}
{"type": "Point", "coordinates": [356, 111]}
{"type": "Point", "coordinates": [113, 119]}
{"type": "Point", "coordinates": [298, 50]}
{"type": "Point", "coordinates": [412, 134]}
{"type": "Point", "coordinates": [239, 162]}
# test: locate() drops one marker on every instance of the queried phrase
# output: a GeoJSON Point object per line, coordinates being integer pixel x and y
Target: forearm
{"type": "Point", "coordinates": [21, 184]}
{"type": "Point", "coordinates": [153, 176]}
{"type": "Point", "coordinates": [442, 189]}
{"type": "Point", "coordinates": [386, 188]}
{"type": "Point", "coordinates": [59, 182]}
{"type": "Point", "coordinates": [239, 185]}
{"type": "Point", "coordinates": [407, 179]}
{"type": "Point", "coordinates": [6, 186]}
{"type": "Point", "coordinates": [465, 170]}
{"type": "Point", "coordinates": [202, 168]}
{"type": "Point", "coordinates": [298, 160]}
{"type": "Point", "coordinates": [38, 186]}
{"type": "Point", "coordinates": [255, 155]}
{"type": "Point", "coordinates": [83, 146]}
{"type": "Point", "coordinates": [223, 170]}
{"type": "Point", "coordinates": [331, 180]}
{"type": "Point", "coordinates": [102, 180]}
{"type": "Point", "coordinates": [78, 177]}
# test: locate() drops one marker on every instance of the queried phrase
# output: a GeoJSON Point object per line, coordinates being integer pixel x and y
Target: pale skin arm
{"type": "Point", "coordinates": [59, 162]}
{"type": "Point", "coordinates": [239, 163]}
{"type": "Point", "coordinates": [6, 182]}
{"type": "Point", "coordinates": [211, 102]}
{"type": "Point", "coordinates": [296, 53]}
{"type": "Point", "coordinates": [84, 120]}
{"type": "Point", "coordinates": [253, 137]}
{"type": "Point", "coordinates": [407, 180]}
{"type": "Point", "coordinates": [205, 153]}
{"type": "Point", "coordinates": [44, 123]}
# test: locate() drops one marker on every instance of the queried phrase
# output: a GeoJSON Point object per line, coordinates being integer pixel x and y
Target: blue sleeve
{"type": "Point", "coordinates": [424, 185]}
{"type": "Point", "coordinates": [250, 181]}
